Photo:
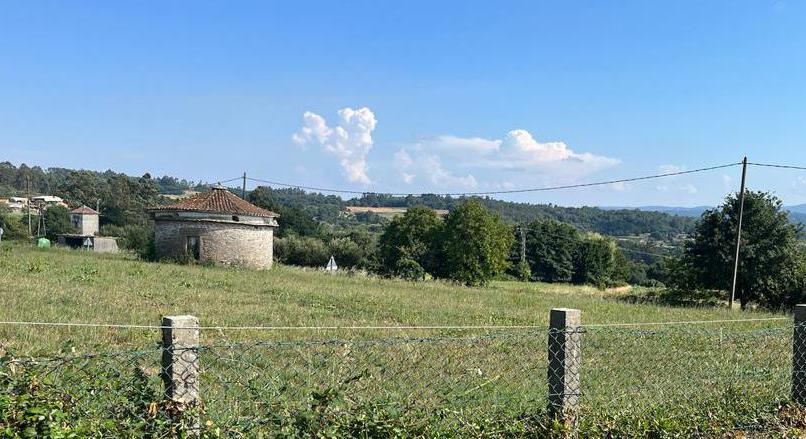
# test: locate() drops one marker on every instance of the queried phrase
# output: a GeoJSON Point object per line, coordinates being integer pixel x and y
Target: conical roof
{"type": "Point", "coordinates": [218, 200]}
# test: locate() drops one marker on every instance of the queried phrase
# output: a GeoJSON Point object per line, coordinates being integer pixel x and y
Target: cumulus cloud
{"type": "Point", "coordinates": [517, 151]}
{"type": "Point", "coordinates": [349, 141]}
{"type": "Point", "coordinates": [425, 167]}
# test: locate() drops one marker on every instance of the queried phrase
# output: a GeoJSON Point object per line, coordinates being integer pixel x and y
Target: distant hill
{"type": "Point", "coordinates": [615, 222]}
{"type": "Point", "coordinates": [797, 213]}
{"type": "Point", "coordinates": [693, 212]}
{"type": "Point", "coordinates": [798, 208]}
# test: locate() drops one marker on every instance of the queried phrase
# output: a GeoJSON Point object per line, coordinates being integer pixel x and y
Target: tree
{"type": "Point", "coordinates": [413, 236]}
{"type": "Point", "coordinates": [57, 222]}
{"type": "Point", "coordinates": [595, 262]}
{"type": "Point", "coordinates": [301, 250]}
{"type": "Point", "coordinates": [550, 248]}
{"type": "Point", "coordinates": [768, 257]}
{"type": "Point", "coordinates": [295, 221]}
{"type": "Point", "coordinates": [475, 244]}
{"type": "Point", "coordinates": [261, 196]}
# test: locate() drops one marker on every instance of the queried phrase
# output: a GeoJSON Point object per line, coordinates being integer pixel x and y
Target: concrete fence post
{"type": "Point", "coordinates": [180, 365]}
{"type": "Point", "coordinates": [799, 355]}
{"type": "Point", "coordinates": [564, 353]}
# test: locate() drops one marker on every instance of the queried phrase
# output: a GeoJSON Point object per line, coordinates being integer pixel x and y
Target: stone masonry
{"type": "Point", "coordinates": [221, 242]}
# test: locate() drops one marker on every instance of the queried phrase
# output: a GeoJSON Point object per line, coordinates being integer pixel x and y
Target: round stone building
{"type": "Point", "coordinates": [215, 226]}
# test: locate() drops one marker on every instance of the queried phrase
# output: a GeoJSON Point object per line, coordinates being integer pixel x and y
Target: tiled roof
{"type": "Point", "coordinates": [84, 210]}
{"type": "Point", "coordinates": [218, 200]}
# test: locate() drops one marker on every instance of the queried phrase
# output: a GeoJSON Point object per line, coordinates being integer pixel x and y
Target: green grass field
{"type": "Point", "coordinates": [59, 285]}
{"type": "Point", "coordinates": [683, 380]}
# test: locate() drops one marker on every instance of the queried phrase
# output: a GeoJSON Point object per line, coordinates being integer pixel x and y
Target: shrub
{"type": "Point", "coordinates": [138, 238]}
{"type": "Point", "coordinates": [409, 269]}
{"type": "Point", "coordinates": [13, 226]}
{"type": "Point", "coordinates": [300, 250]}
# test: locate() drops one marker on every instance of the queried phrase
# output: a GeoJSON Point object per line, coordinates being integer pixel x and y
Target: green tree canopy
{"type": "Point", "coordinates": [475, 244]}
{"type": "Point", "coordinates": [413, 236]}
{"type": "Point", "coordinates": [57, 222]}
{"type": "Point", "coordinates": [598, 261]}
{"type": "Point", "coordinates": [550, 248]}
{"type": "Point", "coordinates": [768, 259]}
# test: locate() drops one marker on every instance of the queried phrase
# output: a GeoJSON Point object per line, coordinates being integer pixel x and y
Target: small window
{"type": "Point", "coordinates": [235, 218]}
{"type": "Point", "coordinates": [193, 247]}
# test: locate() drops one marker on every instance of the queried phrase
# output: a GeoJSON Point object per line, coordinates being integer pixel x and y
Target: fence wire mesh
{"type": "Point", "coordinates": [483, 385]}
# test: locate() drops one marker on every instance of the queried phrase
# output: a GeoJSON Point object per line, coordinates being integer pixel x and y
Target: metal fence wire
{"type": "Point", "coordinates": [496, 384]}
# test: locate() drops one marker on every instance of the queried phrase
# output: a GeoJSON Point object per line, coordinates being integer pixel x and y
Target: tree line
{"type": "Point", "coordinates": [475, 243]}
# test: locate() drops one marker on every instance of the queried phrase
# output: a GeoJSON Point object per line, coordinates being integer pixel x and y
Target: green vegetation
{"type": "Point", "coordinates": [474, 245]}
{"type": "Point", "coordinates": [667, 381]}
{"type": "Point", "coordinates": [771, 270]}
{"type": "Point", "coordinates": [68, 285]}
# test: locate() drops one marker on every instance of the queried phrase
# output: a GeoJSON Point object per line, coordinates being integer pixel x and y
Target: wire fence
{"type": "Point", "coordinates": [695, 379]}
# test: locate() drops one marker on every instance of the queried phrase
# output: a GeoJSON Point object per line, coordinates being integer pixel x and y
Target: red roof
{"type": "Point", "coordinates": [84, 210]}
{"type": "Point", "coordinates": [218, 200]}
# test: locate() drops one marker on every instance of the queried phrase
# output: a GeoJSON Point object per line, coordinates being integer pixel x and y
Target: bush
{"type": "Point", "coordinates": [409, 269]}
{"type": "Point", "coordinates": [137, 238]}
{"type": "Point", "coordinates": [301, 250]}
{"type": "Point", "coordinates": [13, 226]}
{"type": "Point", "coordinates": [346, 252]}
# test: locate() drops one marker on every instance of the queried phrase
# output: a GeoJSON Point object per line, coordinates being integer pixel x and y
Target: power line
{"type": "Point", "coordinates": [773, 165]}
{"type": "Point", "coordinates": [510, 191]}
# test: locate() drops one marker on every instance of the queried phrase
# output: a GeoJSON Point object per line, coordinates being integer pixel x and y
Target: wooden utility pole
{"type": "Point", "coordinates": [523, 244]}
{"type": "Point", "coordinates": [28, 188]}
{"type": "Point", "coordinates": [243, 189]}
{"type": "Point", "coordinates": [738, 236]}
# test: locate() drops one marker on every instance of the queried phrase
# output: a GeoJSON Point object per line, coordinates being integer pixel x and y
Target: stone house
{"type": "Point", "coordinates": [215, 226]}
{"type": "Point", "coordinates": [85, 220]}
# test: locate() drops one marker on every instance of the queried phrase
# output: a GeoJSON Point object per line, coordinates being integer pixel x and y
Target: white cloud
{"type": "Point", "coordinates": [426, 168]}
{"type": "Point", "coordinates": [517, 152]}
{"type": "Point", "coordinates": [350, 141]}
{"type": "Point", "coordinates": [461, 145]}
{"type": "Point", "coordinates": [670, 169]}
{"type": "Point", "coordinates": [620, 186]}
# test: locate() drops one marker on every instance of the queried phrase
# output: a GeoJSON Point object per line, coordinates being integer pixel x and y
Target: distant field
{"type": "Point", "coordinates": [387, 212]}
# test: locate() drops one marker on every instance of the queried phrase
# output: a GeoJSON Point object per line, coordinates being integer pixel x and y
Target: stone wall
{"type": "Point", "coordinates": [85, 224]}
{"type": "Point", "coordinates": [106, 244]}
{"type": "Point", "coordinates": [220, 242]}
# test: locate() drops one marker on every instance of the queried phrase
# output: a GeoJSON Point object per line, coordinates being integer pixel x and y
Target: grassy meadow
{"type": "Point", "coordinates": [705, 380]}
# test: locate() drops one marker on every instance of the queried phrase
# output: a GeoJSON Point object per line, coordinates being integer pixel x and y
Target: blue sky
{"type": "Point", "coordinates": [413, 96]}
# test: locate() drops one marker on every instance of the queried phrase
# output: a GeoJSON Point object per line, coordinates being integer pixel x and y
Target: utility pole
{"type": "Point", "coordinates": [28, 187]}
{"type": "Point", "coordinates": [243, 189]}
{"type": "Point", "coordinates": [738, 236]}
{"type": "Point", "coordinates": [523, 244]}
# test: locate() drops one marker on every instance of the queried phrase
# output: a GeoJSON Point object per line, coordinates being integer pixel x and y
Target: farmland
{"type": "Point", "coordinates": [472, 382]}
{"type": "Point", "coordinates": [68, 286]}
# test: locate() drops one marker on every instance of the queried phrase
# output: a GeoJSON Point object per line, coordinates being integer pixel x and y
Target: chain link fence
{"type": "Point", "coordinates": [694, 379]}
